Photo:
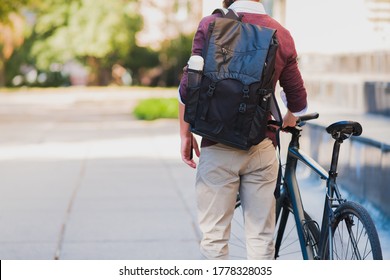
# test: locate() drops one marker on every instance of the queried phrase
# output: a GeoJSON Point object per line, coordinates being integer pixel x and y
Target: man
{"type": "Point", "coordinates": [223, 171]}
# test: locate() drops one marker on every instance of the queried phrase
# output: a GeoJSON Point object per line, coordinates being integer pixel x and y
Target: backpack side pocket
{"type": "Point", "coordinates": [191, 104]}
{"type": "Point", "coordinates": [258, 129]}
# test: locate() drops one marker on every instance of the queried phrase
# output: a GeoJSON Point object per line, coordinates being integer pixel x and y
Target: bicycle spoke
{"type": "Point", "coordinates": [354, 235]}
{"type": "Point", "coordinates": [291, 243]}
{"type": "Point", "coordinates": [237, 246]}
{"type": "Point", "coordinates": [240, 243]}
{"type": "Point", "coordinates": [363, 235]}
{"type": "Point", "coordinates": [290, 246]}
{"type": "Point", "coordinates": [354, 242]}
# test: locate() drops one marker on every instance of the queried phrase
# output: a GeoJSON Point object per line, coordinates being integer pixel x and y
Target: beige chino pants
{"type": "Point", "coordinates": [224, 171]}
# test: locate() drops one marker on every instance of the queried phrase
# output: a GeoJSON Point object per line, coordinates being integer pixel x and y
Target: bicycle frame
{"type": "Point", "coordinates": [294, 155]}
{"type": "Point", "coordinates": [333, 195]}
{"type": "Point", "coordinates": [339, 215]}
{"type": "Point", "coordinates": [290, 182]}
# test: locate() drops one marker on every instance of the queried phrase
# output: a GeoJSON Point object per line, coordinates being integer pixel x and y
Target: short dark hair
{"type": "Point", "coordinates": [227, 3]}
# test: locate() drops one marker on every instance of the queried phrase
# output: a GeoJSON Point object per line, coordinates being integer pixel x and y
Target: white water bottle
{"type": "Point", "coordinates": [195, 68]}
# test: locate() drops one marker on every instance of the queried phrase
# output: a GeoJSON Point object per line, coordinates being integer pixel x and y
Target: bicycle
{"type": "Point", "coordinates": [347, 231]}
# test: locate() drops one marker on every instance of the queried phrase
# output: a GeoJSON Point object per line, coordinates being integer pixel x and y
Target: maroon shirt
{"type": "Point", "coordinates": [286, 66]}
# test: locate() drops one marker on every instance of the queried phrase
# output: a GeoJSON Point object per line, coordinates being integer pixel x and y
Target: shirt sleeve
{"type": "Point", "coordinates": [179, 96]}
{"type": "Point", "coordinates": [291, 81]}
{"type": "Point", "coordinates": [284, 99]}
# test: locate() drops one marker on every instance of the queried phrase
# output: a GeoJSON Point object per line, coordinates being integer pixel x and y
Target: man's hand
{"type": "Point", "coordinates": [188, 145]}
{"type": "Point", "coordinates": [289, 120]}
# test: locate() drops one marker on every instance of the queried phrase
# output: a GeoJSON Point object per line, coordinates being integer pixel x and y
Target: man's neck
{"type": "Point", "coordinates": [248, 6]}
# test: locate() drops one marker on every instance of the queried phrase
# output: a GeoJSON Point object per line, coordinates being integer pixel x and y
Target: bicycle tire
{"type": "Point", "coordinates": [289, 247]}
{"type": "Point", "coordinates": [362, 232]}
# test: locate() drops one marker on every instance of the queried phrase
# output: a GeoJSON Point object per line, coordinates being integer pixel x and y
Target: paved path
{"type": "Point", "coordinates": [80, 178]}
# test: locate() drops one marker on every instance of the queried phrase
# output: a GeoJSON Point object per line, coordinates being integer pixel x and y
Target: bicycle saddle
{"type": "Point", "coordinates": [344, 129]}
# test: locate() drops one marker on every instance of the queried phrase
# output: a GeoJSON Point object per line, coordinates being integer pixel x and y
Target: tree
{"type": "Point", "coordinates": [173, 57]}
{"type": "Point", "coordinates": [141, 61]}
{"type": "Point", "coordinates": [10, 6]}
{"type": "Point", "coordinates": [97, 32]}
{"type": "Point", "coordinates": [11, 36]}
{"type": "Point", "coordinates": [12, 30]}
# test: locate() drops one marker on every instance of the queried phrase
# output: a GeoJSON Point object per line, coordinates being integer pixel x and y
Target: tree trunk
{"type": "Point", "coordinates": [2, 72]}
{"type": "Point", "coordinates": [99, 75]}
{"type": "Point", "coordinates": [93, 75]}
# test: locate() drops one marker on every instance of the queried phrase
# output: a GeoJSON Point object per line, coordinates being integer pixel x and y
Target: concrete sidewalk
{"type": "Point", "coordinates": [80, 178]}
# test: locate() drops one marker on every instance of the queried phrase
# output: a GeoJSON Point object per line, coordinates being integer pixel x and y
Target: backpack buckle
{"type": "Point", "coordinates": [262, 91]}
{"type": "Point", "coordinates": [265, 93]}
{"type": "Point", "coordinates": [210, 92]}
{"type": "Point", "coordinates": [242, 108]}
{"type": "Point", "coordinates": [245, 90]}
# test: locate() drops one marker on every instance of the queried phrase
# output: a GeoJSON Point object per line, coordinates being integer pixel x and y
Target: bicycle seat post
{"type": "Point", "coordinates": [335, 159]}
{"type": "Point", "coordinates": [341, 131]}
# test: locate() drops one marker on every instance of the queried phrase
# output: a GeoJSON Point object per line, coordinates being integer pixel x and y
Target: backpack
{"type": "Point", "coordinates": [233, 102]}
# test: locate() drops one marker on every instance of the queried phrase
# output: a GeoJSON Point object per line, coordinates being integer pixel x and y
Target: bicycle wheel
{"type": "Point", "coordinates": [287, 245]}
{"type": "Point", "coordinates": [354, 234]}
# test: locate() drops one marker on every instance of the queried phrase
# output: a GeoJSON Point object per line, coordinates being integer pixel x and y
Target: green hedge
{"type": "Point", "coordinates": [157, 108]}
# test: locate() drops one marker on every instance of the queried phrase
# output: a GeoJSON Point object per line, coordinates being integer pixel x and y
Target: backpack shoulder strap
{"type": "Point", "coordinates": [221, 11]}
{"type": "Point", "coordinates": [228, 13]}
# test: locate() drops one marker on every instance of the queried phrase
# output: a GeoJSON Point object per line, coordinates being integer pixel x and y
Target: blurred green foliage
{"type": "Point", "coordinates": [176, 53]}
{"type": "Point", "coordinates": [96, 34]}
{"type": "Point", "coordinates": [9, 6]}
{"type": "Point", "coordinates": [157, 108]}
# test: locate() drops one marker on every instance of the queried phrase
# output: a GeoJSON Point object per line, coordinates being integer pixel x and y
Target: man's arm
{"type": "Point", "coordinates": [188, 141]}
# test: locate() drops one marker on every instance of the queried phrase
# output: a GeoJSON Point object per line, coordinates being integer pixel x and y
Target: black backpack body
{"type": "Point", "coordinates": [233, 102]}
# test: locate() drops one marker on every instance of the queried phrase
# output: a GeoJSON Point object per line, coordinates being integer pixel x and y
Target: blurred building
{"type": "Point", "coordinates": [167, 19]}
{"type": "Point", "coordinates": [331, 26]}
{"type": "Point", "coordinates": [344, 50]}
{"type": "Point", "coordinates": [335, 26]}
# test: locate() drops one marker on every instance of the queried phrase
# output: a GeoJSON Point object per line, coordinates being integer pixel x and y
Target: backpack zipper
{"type": "Point", "coordinates": [206, 46]}
{"type": "Point", "coordinates": [224, 54]}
